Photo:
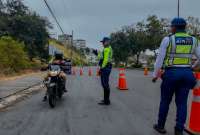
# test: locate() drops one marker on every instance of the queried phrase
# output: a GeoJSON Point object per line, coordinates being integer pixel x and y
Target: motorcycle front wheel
{"type": "Point", "coordinates": [52, 99]}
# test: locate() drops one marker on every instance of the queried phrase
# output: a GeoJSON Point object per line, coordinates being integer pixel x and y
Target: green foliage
{"type": "Point", "coordinates": [121, 46]}
{"type": "Point", "coordinates": [26, 26]}
{"type": "Point", "coordinates": [137, 65]}
{"type": "Point", "coordinates": [87, 50]}
{"type": "Point", "coordinates": [13, 58]}
{"type": "Point", "coordinates": [155, 30]}
{"type": "Point", "coordinates": [193, 25]}
{"type": "Point", "coordinates": [78, 56]}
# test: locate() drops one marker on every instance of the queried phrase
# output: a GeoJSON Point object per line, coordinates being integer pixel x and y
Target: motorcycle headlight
{"type": "Point", "coordinates": [53, 73]}
{"type": "Point", "coordinates": [52, 84]}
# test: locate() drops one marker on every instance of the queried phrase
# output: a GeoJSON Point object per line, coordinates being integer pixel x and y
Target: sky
{"type": "Point", "coordinates": [94, 19]}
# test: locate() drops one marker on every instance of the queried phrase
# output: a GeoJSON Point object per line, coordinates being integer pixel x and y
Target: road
{"type": "Point", "coordinates": [132, 112]}
{"type": "Point", "coordinates": [8, 87]}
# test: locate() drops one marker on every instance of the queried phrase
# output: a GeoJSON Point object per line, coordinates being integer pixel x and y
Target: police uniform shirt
{"type": "Point", "coordinates": [162, 54]}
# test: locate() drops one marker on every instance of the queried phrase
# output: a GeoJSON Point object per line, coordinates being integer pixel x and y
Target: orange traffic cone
{"type": "Point", "coordinates": [90, 72]}
{"type": "Point", "coordinates": [146, 71]}
{"type": "Point", "coordinates": [122, 85]}
{"type": "Point", "coordinates": [194, 123]}
{"type": "Point", "coordinates": [81, 71]}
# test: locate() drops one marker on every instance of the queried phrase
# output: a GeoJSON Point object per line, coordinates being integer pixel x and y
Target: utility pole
{"type": "Point", "coordinates": [72, 42]}
{"type": "Point", "coordinates": [178, 8]}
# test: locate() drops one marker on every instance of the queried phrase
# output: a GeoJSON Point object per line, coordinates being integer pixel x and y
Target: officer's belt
{"type": "Point", "coordinates": [178, 67]}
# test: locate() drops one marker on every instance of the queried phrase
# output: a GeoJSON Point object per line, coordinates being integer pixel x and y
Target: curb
{"type": "Point", "coordinates": [18, 91]}
{"type": "Point", "coordinates": [19, 95]}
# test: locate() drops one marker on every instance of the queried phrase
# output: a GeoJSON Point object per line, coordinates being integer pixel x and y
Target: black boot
{"type": "Point", "coordinates": [106, 100]}
{"type": "Point", "coordinates": [64, 86]}
{"type": "Point", "coordinates": [107, 96]}
{"type": "Point", "coordinates": [104, 103]}
{"type": "Point", "coordinates": [159, 129]}
{"type": "Point", "coordinates": [45, 98]}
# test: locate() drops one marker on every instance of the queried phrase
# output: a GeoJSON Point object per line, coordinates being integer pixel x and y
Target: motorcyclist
{"type": "Point", "coordinates": [57, 60]}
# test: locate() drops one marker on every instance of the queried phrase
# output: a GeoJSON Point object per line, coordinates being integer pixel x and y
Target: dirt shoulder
{"type": "Point", "coordinates": [19, 75]}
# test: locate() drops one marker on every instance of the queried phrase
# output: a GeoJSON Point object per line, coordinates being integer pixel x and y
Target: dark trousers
{"type": "Point", "coordinates": [176, 81]}
{"type": "Point", "coordinates": [105, 74]}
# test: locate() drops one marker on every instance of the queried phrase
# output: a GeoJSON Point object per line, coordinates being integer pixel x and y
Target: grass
{"type": "Point", "coordinates": [76, 57]}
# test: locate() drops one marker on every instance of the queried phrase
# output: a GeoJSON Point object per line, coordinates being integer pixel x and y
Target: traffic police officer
{"type": "Point", "coordinates": [105, 64]}
{"type": "Point", "coordinates": [175, 56]}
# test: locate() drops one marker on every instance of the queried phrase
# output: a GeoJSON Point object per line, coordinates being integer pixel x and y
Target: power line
{"type": "Point", "coordinates": [65, 12]}
{"type": "Point", "coordinates": [53, 15]}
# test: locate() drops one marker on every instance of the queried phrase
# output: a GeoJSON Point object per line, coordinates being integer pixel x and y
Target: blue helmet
{"type": "Point", "coordinates": [105, 39]}
{"type": "Point", "coordinates": [177, 22]}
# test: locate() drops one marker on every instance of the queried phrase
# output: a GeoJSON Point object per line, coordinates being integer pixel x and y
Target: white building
{"type": "Point", "coordinates": [79, 43]}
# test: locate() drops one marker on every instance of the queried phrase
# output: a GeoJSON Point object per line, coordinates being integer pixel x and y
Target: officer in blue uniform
{"type": "Point", "coordinates": [175, 55]}
{"type": "Point", "coordinates": [105, 64]}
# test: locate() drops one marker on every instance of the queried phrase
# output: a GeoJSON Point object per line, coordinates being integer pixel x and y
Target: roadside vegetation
{"type": "Point", "coordinates": [12, 56]}
{"type": "Point", "coordinates": [24, 39]}
{"type": "Point", "coordinates": [78, 57]}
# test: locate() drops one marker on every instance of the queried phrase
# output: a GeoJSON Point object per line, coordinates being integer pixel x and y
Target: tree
{"type": "Point", "coordinates": [134, 39]}
{"type": "Point", "coordinates": [16, 7]}
{"type": "Point", "coordinates": [26, 26]}
{"type": "Point", "coordinates": [155, 32]}
{"type": "Point", "coordinates": [121, 46]}
{"type": "Point", "coordinates": [139, 40]}
{"type": "Point", "coordinates": [193, 25]}
{"type": "Point", "coordinates": [87, 50]}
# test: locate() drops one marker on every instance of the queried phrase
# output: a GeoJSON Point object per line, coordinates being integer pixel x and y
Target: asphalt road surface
{"type": "Point", "coordinates": [8, 87]}
{"type": "Point", "coordinates": [132, 112]}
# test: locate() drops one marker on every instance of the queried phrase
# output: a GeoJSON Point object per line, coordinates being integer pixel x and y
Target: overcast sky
{"type": "Point", "coordinates": [94, 19]}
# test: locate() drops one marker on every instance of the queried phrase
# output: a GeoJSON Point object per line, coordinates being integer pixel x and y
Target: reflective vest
{"type": "Point", "coordinates": [106, 57]}
{"type": "Point", "coordinates": [180, 50]}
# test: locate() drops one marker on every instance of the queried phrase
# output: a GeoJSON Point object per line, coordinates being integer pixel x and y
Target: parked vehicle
{"type": "Point", "coordinates": [67, 66]}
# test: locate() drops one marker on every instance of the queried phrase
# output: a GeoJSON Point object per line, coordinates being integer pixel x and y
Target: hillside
{"type": "Point", "coordinates": [77, 58]}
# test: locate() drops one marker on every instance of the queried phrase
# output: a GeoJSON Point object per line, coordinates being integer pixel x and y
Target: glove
{"type": "Point", "coordinates": [100, 72]}
{"type": "Point", "coordinates": [154, 79]}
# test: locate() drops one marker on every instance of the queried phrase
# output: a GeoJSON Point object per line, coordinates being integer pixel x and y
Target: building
{"type": "Point", "coordinates": [79, 43]}
{"type": "Point", "coordinates": [65, 39]}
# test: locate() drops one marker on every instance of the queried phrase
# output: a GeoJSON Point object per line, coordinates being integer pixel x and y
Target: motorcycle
{"type": "Point", "coordinates": [54, 85]}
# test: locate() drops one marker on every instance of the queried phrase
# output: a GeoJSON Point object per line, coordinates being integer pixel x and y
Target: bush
{"type": "Point", "coordinates": [13, 58]}
{"type": "Point", "coordinates": [137, 65]}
